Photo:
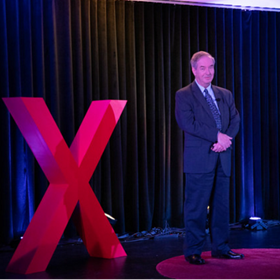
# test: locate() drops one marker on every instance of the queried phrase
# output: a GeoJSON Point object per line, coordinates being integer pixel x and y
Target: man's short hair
{"type": "Point", "coordinates": [196, 56]}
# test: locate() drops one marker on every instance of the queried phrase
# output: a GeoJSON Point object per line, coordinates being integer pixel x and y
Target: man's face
{"type": "Point", "coordinates": [204, 72]}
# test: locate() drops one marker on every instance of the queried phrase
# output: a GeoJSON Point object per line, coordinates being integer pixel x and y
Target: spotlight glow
{"type": "Point", "coordinates": [255, 218]}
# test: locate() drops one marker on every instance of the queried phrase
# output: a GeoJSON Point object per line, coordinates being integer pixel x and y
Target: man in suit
{"type": "Point", "coordinates": [210, 120]}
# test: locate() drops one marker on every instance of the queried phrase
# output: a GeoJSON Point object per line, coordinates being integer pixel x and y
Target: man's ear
{"type": "Point", "coordinates": [194, 71]}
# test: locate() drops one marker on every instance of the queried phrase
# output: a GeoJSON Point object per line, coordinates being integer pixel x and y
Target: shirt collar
{"type": "Point", "coordinates": [203, 88]}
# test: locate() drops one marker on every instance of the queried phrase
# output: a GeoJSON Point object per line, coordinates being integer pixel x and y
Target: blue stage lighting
{"type": "Point", "coordinates": [256, 223]}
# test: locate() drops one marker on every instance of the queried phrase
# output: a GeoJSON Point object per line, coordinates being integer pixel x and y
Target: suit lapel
{"type": "Point", "coordinates": [199, 95]}
{"type": "Point", "coordinates": [219, 96]}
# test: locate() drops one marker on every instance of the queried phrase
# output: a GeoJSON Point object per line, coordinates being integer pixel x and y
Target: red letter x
{"type": "Point", "coordinates": [68, 172]}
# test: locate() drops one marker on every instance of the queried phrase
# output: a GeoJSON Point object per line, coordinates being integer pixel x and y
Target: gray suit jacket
{"type": "Point", "coordinates": [200, 132]}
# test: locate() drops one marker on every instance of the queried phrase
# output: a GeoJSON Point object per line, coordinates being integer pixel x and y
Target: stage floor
{"type": "Point", "coordinates": [71, 260]}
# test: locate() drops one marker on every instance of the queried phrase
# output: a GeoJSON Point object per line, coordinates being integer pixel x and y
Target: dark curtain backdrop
{"type": "Point", "coordinates": [71, 52]}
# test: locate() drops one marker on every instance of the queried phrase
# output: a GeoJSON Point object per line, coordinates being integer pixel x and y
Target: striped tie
{"type": "Point", "coordinates": [213, 109]}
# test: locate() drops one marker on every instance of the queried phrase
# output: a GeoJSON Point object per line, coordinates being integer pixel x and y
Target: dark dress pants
{"type": "Point", "coordinates": [203, 190]}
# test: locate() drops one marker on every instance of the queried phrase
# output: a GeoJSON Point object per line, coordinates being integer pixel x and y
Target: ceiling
{"type": "Point", "coordinates": [263, 5]}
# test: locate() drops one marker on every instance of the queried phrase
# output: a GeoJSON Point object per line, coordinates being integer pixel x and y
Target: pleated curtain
{"type": "Point", "coordinates": [72, 52]}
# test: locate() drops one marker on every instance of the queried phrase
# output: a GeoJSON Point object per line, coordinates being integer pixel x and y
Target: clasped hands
{"type": "Point", "coordinates": [223, 143]}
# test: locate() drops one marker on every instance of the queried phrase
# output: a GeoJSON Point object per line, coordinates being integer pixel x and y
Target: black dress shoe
{"type": "Point", "coordinates": [229, 255]}
{"type": "Point", "coordinates": [195, 259]}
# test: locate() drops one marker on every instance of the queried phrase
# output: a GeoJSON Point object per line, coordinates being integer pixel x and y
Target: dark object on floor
{"type": "Point", "coordinates": [229, 255]}
{"type": "Point", "coordinates": [195, 259]}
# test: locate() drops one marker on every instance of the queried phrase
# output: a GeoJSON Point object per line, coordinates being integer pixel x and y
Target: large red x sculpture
{"type": "Point", "coordinates": [68, 172]}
